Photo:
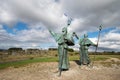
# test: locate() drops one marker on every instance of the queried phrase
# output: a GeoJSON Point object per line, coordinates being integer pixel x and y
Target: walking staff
{"type": "Point", "coordinates": [100, 28]}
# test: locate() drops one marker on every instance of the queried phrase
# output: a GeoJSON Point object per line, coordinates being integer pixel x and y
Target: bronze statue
{"type": "Point", "coordinates": [64, 40]}
{"type": "Point", "coordinates": [85, 43]}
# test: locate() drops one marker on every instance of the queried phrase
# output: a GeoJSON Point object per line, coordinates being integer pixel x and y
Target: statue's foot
{"type": "Point", "coordinates": [80, 65]}
{"type": "Point", "coordinates": [65, 69]}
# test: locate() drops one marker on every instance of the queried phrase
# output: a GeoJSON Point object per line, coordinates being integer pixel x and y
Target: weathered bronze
{"type": "Point", "coordinates": [85, 43]}
{"type": "Point", "coordinates": [64, 40]}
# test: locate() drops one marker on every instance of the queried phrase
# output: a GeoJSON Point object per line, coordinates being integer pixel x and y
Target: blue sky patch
{"type": "Point", "coordinates": [103, 31]}
{"type": "Point", "coordinates": [17, 27]}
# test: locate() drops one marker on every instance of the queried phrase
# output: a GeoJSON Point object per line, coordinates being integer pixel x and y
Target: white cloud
{"type": "Point", "coordinates": [47, 12]}
{"type": "Point", "coordinates": [33, 35]}
{"type": "Point", "coordinates": [4, 35]}
{"type": "Point", "coordinates": [110, 40]}
{"type": "Point", "coordinates": [39, 14]}
{"type": "Point", "coordinates": [51, 13]}
{"type": "Point", "coordinates": [31, 38]}
{"type": "Point", "coordinates": [94, 12]}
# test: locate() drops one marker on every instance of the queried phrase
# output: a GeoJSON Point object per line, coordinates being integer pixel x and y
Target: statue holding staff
{"type": "Point", "coordinates": [62, 49]}
{"type": "Point", "coordinates": [85, 43]}
{"type": "Point", "coordinates": [64, 40]}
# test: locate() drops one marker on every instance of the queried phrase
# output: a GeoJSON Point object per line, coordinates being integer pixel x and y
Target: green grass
{"type": "Point", "coordinates": [17, 64]}
{"type": "Point", "coordinates": [103, 57]}
{"type": "Point", "coordinates": [72, 58]}
{"type": "Point", "coordinates": [99, 57]}
{"type": "Point", "coordinates": [109, 64]}
{"type": "Point", "coordinates": [114, 56]}
{"type": "Point", "coordinates": [24, 62]}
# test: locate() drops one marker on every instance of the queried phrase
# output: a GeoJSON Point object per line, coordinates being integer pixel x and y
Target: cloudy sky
{"type": "Point", "coordinates": [25, 23]}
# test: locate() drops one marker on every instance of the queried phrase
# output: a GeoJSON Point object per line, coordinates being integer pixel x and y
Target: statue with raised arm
{"type": "Point", "coordinates": [85, 43]}
{"type": "Point", "coordinates": [62, 48]}
{"type": "Point", "coordinates": [64, 40]}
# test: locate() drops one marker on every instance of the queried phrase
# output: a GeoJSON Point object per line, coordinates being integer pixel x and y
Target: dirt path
{"type": "Point", "coordinates": [46, 71]}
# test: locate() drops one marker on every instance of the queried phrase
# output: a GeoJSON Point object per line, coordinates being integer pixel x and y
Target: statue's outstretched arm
{"type": "Point", "coordinates": [74, 34]}
{"type": "Point", "coordinates": [51, 32]}
{"type": "Point", "coordinates": [55, 35]}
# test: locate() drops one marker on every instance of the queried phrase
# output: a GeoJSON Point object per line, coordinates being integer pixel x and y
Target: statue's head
{"type": "Point", "coordinates": [64, 31]}
{"type": "Point", "coordinates": [85, 36]}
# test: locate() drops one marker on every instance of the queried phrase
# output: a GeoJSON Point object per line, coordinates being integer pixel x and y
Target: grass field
{"type": "Point", "coordinates": [29, 60]}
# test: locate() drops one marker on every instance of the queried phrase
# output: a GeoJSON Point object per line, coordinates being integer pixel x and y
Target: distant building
{"type": "Point", "coordinates": [52, 49]}
{"type": "Point", "coordinates": [33, 51]}
{"type": "Point", "coordinates": [19, 51]}
{"type": "Point", "coordinates": [15, 51]}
